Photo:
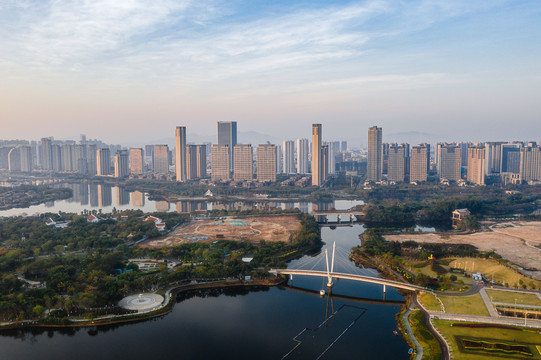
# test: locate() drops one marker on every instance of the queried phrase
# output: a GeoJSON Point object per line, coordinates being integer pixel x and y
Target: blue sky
{"type": "Point", "coordinates": [133, 70]}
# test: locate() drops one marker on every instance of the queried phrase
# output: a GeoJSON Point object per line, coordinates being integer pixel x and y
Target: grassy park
{"type": "Point", "coordinates": [431, 347]}
{"type": "Point", "coordinates": [512, 340]}
{"type": "Point", "coordinates": [464, 305]}
{"type": "Point", "coordinates": [512, 297]}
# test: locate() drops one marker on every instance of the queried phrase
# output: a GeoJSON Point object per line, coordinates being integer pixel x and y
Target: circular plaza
{"type": "Point", "coordinates": [141, 302]}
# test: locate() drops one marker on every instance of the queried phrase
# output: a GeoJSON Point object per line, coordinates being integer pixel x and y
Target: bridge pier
{"type": "Point", "coordinates": [384, 291]}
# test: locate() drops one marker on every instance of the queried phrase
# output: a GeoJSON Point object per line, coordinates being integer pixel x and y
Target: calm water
{"type": "Point", "coordinates": [106, 198]}
{"type": "Point", "coordinates": [242, 324]}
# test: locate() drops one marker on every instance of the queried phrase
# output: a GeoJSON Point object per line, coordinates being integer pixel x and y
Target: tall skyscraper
{"type": "Point", "coordinates": [160, 159]}
{"type": "Point", "coordinates": [219, 162]}
{"type": "Point", "coordinates": [449, 162]}
{"type": "Point", "coordinates": [289, 156]}
{"type": "Point", "coordinates": [419, 163]}
{"type": "Point", "coordinates": [510, 159]}
{"type": "Point", "coordinates": [103, 158]}
{"type": "Point", "coordinates": [136, 161]}
{"type": "Point", "coordinates": [344, 146]}
{"type": "Point", "coordinates": [302, 156]}
{"type": "Point", "coordinates": [266, 163]}
{"type": "Point", "coordinates": [78, 156]}
{"type": "Point", "coordinates": [66, 155]}
{"type": "Point", "coordinates": [46, 154]}
{"type": "Point", "coordinates": [121, 164]}
{"type": "Point", "coordinates": [530, 163]}
{"type": "Point", "coordinates": [227, 135]}
{"type": "Point", "coordinates": [375, 154]}
{"type": "Point", "coordinates": [493, 155]}
{"type": "Point", "coordinates": [243, 169]}
{"type": "Point", "coordinates": [196, 161]}
{"type": "Point", "coordinates": [317, 175]}
{"type": "Point", "coordinates": [180, 153]}
{"type": "Point", "coordinates": [332, 149]}
{"type": "Point", "coordinates": [324, 162]}
{"type": "Point", "coordinates": [27, 163]}
{"type": "Point", "coordinates": [56, 154]}
{"type": "Point", "coordinates": [279, 159]}
{"type": "Point", "coordinates": [476, 165]}
{"type": "Point", "coordinates": [91, 160]}
{"type": "Point", "coordinates": [396, 170]}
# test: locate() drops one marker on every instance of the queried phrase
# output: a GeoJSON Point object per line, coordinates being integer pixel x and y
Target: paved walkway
{"type": "Point", "coordinates": [487, 319]}
{"type": "Point", "coordinates": [491, 310]}
{"type": "Point", "coordinates": [519, 306]}
{"type": "Point", "coordinates": [418, 347]}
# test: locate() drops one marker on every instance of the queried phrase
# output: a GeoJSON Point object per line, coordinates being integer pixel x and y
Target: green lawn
{"type": "Point", "coordinates": [449, 332]}
{"type": "Point", "coordinates": [431, 347]}
{"type": "Point", "coordinates": [464, 305]}
{"type": "Point", "coordinates": [510, 297]}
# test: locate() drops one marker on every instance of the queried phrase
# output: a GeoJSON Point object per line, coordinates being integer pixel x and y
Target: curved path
{"type": "Point", "coordinates": [445, 355]}
{"type": "Point", "coordinates": [418, 346]}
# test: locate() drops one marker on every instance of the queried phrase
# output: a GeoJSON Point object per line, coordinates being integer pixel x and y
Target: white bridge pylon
{"type": "Point", "coordinates": [329, 272]}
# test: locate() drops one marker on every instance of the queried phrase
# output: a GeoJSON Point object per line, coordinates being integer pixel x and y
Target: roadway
{"type": "Point", "coordinates": [337, 275]}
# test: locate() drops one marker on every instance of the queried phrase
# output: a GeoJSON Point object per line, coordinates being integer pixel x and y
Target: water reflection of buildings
{"type": "Point", "coordinates": [138, 198]}
{"type": "Point", "coordinates": [105, 197]}
{"type": "Point", "coordinates": [122, 196]}
{"type": "Point", "coordinates": [162, 206]}
{"type": "Point", "coordinates": [93, 191]}
{"type": "Point", "coordinates": [80, 193]}
{"type": "Point", "coordinates": [189, 206]}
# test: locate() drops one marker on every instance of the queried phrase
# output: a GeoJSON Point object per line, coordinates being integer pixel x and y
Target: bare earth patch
{"type": "Point", "coordinates": [253, 229]}
{"type": "Point", "coordinates": [514, 241]}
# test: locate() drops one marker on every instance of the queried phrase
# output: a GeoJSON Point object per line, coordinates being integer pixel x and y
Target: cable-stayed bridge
{"type": "Point", "coordinates": [354, 273]}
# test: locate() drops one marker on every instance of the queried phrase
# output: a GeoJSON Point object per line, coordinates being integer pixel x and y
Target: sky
{"type": "Point", "coordinates": [130, 71]}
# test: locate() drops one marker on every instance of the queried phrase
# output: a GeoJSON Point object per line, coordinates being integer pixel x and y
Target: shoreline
{"type": "Point", "coordinates": [169, 299]}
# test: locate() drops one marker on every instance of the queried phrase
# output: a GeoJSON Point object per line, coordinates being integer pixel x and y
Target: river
{"type": "Point", "coordinates": [264, 323]}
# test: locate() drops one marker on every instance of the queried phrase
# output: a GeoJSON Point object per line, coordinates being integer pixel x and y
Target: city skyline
{"type": "Point", "coordinates": [439, 67]}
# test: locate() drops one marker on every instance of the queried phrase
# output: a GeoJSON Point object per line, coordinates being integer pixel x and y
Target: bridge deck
{"type": "Point", "coordinates": [337, 275]}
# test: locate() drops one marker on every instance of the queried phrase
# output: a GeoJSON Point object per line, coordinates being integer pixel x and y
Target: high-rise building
{"type": "Point", "coordinates": [510, 159]}
{"type": "Point", "coordinates": [476, 165]}
{"type": "Point", "coordinates": [136, 161]}
{"type": "Point", "coordinates": [530, 163]}
{"type": "Point", "coordinates": [331, 156]}
{"type": "Point", "coordinates": [91, 159]}
{"type": "Point", "coordinates": [14, 159]}
{"type": "Point", "coordinates": [243, 167]}
{"type": "Point", "coordinates": [266, 163]}
{"type": "Point", "coordinates": [493, 160]}
{"type": "Point", "coordinates": [324, 161]}
{"type": "Point", "coordinates": [160, 159]}
{"type": "Point", "coordinates": [317, 175]}
{"type": "Point", "coordinates": [66, 155]}
{"type": "Point", "coordinates": [419, 163]}
{"type": "Point", "coordinates": [219, 162]}
{"type": "Point", "coordinates": [227, 135]}
{"type": "Point", "coordinates": [46, 154]}
{"type": "Point", "coordinates": [289, 156]}
{"type": "Point", "coordinates": [397, 164]}
{"type": "Point", "coordinates": [375, 154]}
{"type": "Point", "coordinates": [302, 156]}
{"type": "Point", "coordinates": [180, 153]}
{"type": "Point", "coordinates": [79, 156]}
{"type": "Point", "coordinates": [464, 146]}
{"type": "Point", "coordinates": [449, 162]}
{"type": "Point", "coordinates": [201, 161]}
{"type": "Point", "coordinates": [344, 147]}
{"type": "Point", "coordinates": [56, 152]}
{"type": "Point", "coordinates": [121, 164]}
{"type": "Point", "coordinates": [103, 158]}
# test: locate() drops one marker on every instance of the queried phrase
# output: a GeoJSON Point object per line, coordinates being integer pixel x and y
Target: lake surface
{"type": "Point", "coordinates": [105, 197]}
{"type": "Point", "coordinates": [266, 323]}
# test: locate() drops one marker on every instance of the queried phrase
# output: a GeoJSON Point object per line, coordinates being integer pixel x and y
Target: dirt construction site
{"type": "Point", "coordinates": [518, 242]}
{"type": "Point", "coordinates": [253, 229]}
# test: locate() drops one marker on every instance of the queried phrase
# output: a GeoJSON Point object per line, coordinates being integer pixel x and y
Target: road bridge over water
{"type": "Point", "coordinates": [337, 275]}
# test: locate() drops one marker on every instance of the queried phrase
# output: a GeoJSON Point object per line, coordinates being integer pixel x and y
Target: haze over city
{"type": "Point", "coordinates": [130, 71]}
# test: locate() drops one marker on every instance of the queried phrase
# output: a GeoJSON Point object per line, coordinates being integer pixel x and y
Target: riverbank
{"type": "Point", "coordinates": [166, 307]}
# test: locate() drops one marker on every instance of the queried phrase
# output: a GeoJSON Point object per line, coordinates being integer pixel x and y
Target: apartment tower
{"type": "Point", "coordinates": [303, 147]}
{"type": "Point", "coordinates": [160, 159]}
{"type": "Point", "coordinates": [219, 162]}
{"type": "Point", "coordinates": [136, 160]}
{"type": "Point", "coordinates": [180, 153]}
{"type": "Point", "coordinates": [419, 163]}
{"type": "Point", "coordinates": [227, 135]}
{"type": "Point", "coordinates": [375, 154]}
{"type": "Point", "coordinates": [243, 167]}
{"type": "Point", "coordinates": [476, 165]}
{"type": "Point", "coordinates": [266, 163]}
{"type": "Point", "coordinates": [317, 175]}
